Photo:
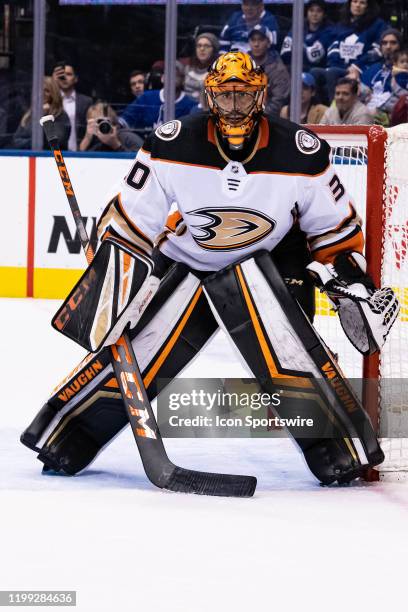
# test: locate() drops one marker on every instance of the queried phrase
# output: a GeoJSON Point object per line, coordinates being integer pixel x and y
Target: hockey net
{"type": "Point", "coordinates": [373, 164]}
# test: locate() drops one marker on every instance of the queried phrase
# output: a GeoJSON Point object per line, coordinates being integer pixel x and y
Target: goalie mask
{"type": "Point", "coordinates": [235, 88]}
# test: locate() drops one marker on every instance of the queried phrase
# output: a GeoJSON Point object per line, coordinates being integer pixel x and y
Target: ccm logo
{"type": "Point", "coordinates": [76, 298]}
{"type": "Point", "coordinates": [63, 173]}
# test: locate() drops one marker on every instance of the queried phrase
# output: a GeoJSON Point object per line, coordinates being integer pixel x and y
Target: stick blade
{"type": "Point", "coordinates": [207, 483]}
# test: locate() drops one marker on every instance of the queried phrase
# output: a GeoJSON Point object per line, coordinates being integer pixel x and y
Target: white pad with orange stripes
{"type": "Point", "coordinates": [269, 336]}
{"type": "Point", "coordinates": [263, 320]}
{"type": "Point", "coordinates": [113, 292]}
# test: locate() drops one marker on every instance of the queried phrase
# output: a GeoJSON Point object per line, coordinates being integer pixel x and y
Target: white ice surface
{"type": "Point", "coordinates": [127, 546]}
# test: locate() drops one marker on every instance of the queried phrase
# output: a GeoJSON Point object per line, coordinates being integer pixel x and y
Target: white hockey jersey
{"type": "Point", "coordinates": [228, 209]}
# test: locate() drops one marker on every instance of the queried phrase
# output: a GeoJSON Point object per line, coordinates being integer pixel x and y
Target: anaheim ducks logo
{"type": "Point", "coordinates": [230, 228]}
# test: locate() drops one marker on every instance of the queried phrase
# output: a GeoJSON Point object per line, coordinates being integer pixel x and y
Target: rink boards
{"type": "Point", "coordinates": [40, 254]}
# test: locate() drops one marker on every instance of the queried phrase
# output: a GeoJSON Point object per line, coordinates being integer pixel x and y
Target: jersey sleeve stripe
{"type": "Point", "coordinates": [351, 242]}
{"type": "Point", "coordinates": [173, 221]}
{"type": "Point", "coordinates": [352, 216]}
{"type": "Point", "coordinates": [175, 225]}
{"type": "Point", "coordinates": [115, 215]}
{"type": "Point", "coordinates": [320, 242]}
{"type": "Point", "coordinates": [133, 227]}
{"type": "Point", "coordinates": [351, 221]}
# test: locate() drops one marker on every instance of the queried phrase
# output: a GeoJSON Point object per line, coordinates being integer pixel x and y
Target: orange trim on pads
{"type": "Point", "coordinates": [301, 382]}
{"type": "Point", "coordinates": [126, 267]}
{"type": "Point", "coordinates": [170, 344]}
{"type": "Point", "coordinates": [112, 383]}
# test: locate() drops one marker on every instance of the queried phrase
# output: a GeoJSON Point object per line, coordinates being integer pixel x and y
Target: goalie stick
{"type": "Point", "coordinates": [158, 467]}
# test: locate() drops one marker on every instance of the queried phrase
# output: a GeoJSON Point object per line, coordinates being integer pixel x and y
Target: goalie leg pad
{"type": "Point", "coordinates": [253, 305]}
{"type": "Point", "coordinates": [86, 411]}
{"type": "Point", "coordinates": [115, 288]}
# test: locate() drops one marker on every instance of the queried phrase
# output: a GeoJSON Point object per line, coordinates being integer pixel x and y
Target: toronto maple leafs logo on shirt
{"type": "Point", "coordinates": [227, 229]}
{"type": "Point", "coordinates": [350, 49]}
{"type": "Point", "coordinates": [307, 143]}
{"type": "Point", "coordinates": [169, 130]}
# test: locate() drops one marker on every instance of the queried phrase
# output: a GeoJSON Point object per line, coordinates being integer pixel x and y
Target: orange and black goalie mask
{"type": "Point", "coordinates": [236, 88]}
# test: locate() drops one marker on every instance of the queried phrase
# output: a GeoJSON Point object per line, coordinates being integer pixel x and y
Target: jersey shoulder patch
{"type": "Point", "coordinates": [307, 143]}
{"type": "Point", "coordinates": [292, 149]}
{"type": "Point", "coordinates": [184, 141]}
{"type": "Point", "coordinates": [169, 131]}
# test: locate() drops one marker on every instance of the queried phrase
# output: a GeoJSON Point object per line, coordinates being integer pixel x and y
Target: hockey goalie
{"type": "Point", "coordinates": [261, 217]}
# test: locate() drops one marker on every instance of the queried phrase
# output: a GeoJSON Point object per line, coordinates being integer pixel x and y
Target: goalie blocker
{"type": "Point", "coordinates": [252, 303]}
{"type": "Point", "coordinates": [114, 290]}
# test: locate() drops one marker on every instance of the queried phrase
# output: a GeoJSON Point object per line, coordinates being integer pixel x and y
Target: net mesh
{"type": "Point", "coordinates": [349, 154]}
{"type": "Point", "coordinates": [394, 358]}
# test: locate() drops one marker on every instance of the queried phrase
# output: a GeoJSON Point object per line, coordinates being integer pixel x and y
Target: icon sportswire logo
{"type": "Point", "coordinates": [225, 229]}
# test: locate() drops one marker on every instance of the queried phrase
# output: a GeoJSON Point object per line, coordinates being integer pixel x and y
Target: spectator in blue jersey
{"type": "Point", "coordinates": [318, 34]}
{"type": "Point", "coordinates": [356, 44]}
{"type": "Point", "coordinates": [146, 112]}
{"type": "Point", "coordinates": [278, 77]}
{"type": "Point", "coordinates": [384, 82]}
{"type": "Point", "coordinates": [137, 81]}
{"type": "Point", "coordinates": [235, 33]}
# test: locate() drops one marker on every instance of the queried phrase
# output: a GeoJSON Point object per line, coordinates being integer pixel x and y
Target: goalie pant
{"type": "Point", "coordinates": [85, 413]}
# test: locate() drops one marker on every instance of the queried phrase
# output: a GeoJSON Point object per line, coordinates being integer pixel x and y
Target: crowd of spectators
{"type": "Point", "coordinates": [355, 72]}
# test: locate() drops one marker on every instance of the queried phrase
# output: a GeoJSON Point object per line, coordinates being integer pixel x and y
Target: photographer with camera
{"type": "Point", "coordinates": [75, 104]}
{"type": "Point", "coordinates": [103, 132]}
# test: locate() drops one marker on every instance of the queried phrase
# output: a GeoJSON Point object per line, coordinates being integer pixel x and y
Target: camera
{"type": "Point", "coordinates": [104, 125]}
{"type": "Point", "coordinates": [62, 77]}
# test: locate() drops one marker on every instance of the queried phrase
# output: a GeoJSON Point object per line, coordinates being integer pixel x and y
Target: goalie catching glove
{"type": "Point", "coordinates": [113, 292]}
{"type": "Point", "coordinates": [366, 314]}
